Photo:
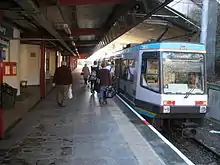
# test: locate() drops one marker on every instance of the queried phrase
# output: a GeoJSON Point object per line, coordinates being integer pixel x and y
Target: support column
{"type": "Point", "coordinates": [208, 33]}
{"type": "Point", "coordinates": [1, 106]}
{"type": "Point", "coordinates": [56, 60]}
{"type": "Point", "coordinates": [42, 72]}
{"type": "Point", "coordinates": [68, 61]}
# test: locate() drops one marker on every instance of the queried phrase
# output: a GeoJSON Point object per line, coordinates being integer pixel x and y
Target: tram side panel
{"type": "Point", "coordinates": [128, 83]}
{"type": "Point", "coordinates": [147, 102]}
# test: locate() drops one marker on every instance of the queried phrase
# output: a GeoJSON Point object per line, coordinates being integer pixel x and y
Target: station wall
{"type": "Point", "coordinates": [50, 63]}
{"type": "Point", "coordinates": [30, 64]}
{"type": "Point", "coordinates": [13, 56]}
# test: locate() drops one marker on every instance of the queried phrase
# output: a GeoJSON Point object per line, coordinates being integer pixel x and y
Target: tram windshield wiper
{"type": "Point", "coordinates": [189, 92]}
{"type": "Point", "coordinates": [178, 93]}
{"type": "Point", "coordinates": [174, 93]}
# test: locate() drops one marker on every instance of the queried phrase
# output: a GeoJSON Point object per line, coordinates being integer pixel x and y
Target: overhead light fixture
{"type": "Point", "coordinates": [165, 16]}
{"type": "Point", "coordinates": [65, 25]}
{"type": "Point", "coordinates": [137, 7]}
{"type": "Point", "coordinates": [157, 22]}
{"type": "Point", "coordinates": [71, 37]}
{"type": "Point", "coordinates": [73, 43]}
{"type": "Point", "coordinates": [67, 29]}
{"type": "Point", "coordinates": [150, 29]}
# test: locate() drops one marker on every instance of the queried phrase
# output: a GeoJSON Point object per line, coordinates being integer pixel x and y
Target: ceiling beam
{"type": "Point", "coordinates": [13, 23]}
{"type": "Point", "coordinates": [7, 5]}
{"type": "Point", "coordinates": [28, 5]}
{"type": "Point", "coordinates": [86, 31]}
{"type": "Point", "coordinates": [86, 43]}
{"type": "Point", "coordinates": [129, 21]}
{"type": "Point", "coordinates": [31, 42]}
{"type": "Point", "coordinates": [85, 47]}
{"type": "Point", "coordinates": [1, 17]}
{"type": "Point", "coordinates": [90, 2]}
{"type": "Point", "coordinates": [40, 34]}
{"type": "Point", "coordinates": [117, 11]}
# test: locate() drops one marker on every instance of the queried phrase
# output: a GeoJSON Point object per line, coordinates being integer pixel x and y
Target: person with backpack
{"type": "Point", "coordinates": [93, 76]}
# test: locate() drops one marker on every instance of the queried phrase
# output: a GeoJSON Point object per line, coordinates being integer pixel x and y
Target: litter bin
{"type": "Point", "coordinates": [8, 96]}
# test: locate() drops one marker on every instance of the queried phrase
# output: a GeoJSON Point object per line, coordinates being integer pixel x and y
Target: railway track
{"type": "Point", "coordinates": [207, 147]}
{"type": "Point", "coordinates": [195, 150]}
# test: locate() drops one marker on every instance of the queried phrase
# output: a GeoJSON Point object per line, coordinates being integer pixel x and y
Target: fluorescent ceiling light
{"type": "Point", "coordinates": [65, 26]}
{"type": "Point", "coordinates": [157, 22]}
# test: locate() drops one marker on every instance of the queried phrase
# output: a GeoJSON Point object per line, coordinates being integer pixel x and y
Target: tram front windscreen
{"type": "Point", "coordinates": [183, 72]}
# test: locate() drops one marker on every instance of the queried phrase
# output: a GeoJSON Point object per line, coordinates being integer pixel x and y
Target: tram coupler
{"type": "Point", "coordinates": [189, 129]}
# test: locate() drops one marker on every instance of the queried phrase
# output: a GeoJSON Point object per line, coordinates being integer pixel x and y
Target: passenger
{"type": "Point", "coordinates": [110, 66]}
{"type": "Point", "coordinates": [192, 79]}
{"type": "Point", "coordinates": [93, 76]}
{"type": "Point", "coordinates": [105, 80]}
{"type": "Point", "coordinates": [86, 73]}
{"type": "Point", "coordinates": [63, 81]}
{"type": "Point", "coordinates": [112, 70]}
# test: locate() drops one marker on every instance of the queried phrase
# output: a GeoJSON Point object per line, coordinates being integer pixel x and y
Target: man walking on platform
{"type": "Point", "coordinates": [86, 73]}
{"type": "Point", "coordinates": [105, 80]}
{"type": "Point", "coordinates": [63, 81]}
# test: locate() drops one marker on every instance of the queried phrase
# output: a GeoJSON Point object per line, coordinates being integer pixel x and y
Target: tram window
{"type": "Point", "coordinates": [183, 72]}
{"type": "Point", "coordinates": [150, 73]}
{"type": "Point", "coordinates": [131, 70]}
{"type": "Point", "coordinates": [124, 65]}
{"type": "Point", "coordinates": [117, 67]}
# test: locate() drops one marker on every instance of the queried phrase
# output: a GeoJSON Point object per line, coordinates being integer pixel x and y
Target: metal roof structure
{"type": "Point", "coordinates": [84, 26]}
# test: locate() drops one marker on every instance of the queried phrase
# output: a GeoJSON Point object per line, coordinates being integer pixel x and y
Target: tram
{"type": "Point", "coordinates": [166, 82]}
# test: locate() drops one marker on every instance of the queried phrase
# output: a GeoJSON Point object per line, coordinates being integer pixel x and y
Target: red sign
{"type": "Point", "coordinates": [9, 68]}
{"type": "Point", "coordinates": [83, 56]}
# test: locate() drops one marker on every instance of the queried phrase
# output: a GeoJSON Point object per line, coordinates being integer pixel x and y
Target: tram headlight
{"type": "Point", "coordinates": [203, 109]}
{"type": "Point", "coordinates": [166, 109]}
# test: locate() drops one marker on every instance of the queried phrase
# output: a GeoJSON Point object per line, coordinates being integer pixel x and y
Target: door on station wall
{"type": "Point", "coordinates": [33, 69]}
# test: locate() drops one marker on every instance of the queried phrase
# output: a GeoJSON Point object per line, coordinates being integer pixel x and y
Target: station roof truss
{"type": "Point", "coordinates": [84, 26]}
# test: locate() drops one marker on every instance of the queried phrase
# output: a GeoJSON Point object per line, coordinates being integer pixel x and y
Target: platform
{"type": "Point", "coordinates": [24, 103]}
{"type": "Point", "coordinates": [83, 133]}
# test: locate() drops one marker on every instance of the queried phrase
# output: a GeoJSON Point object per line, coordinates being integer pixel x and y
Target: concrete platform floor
{"type": "Point", "coordinates": [83, 133]}
{"type": "Point", "coordinates": [23, 105]}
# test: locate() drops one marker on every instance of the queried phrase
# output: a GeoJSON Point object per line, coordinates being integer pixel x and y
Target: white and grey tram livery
{"type": "Point", "coordinates": [164, 81]}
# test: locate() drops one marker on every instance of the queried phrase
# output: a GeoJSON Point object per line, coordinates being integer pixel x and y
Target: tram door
{"type": "Point", "coordinates": [117, 72]}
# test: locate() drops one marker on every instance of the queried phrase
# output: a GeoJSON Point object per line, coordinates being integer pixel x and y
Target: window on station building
{"type": "Point", "coordinates": [150, 73]}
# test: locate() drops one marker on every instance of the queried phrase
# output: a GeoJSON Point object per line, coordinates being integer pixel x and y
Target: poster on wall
{"type": "Point", "coordinates": [33, 55]}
